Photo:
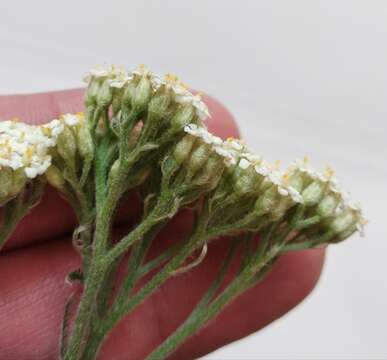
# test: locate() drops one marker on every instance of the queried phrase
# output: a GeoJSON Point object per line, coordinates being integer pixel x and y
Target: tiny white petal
{"type": "Point", "coordinates": [244, 164]}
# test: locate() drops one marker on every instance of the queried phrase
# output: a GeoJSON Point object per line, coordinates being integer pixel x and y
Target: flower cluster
{"type": "Point", "coordinates": [333, 205]}
{"type": "Point", "coordinates": [25, 153]}
{"type": "Point", "coordinates": [26, 147]}
{"type": "Point", "coordinates": [273, 192]}
{"type": "Point", "coordinates": [103, 81]}
{"type": "Point", "coordinates": [73, 157]}
{"type": "Point", "coordinates": [146, 133]}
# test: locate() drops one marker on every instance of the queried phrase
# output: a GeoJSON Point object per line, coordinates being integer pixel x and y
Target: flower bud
{"type": "Point", "coordinates": [19, 180]}
{"type": "Point", "coordinates": [211, 171]}
{"type": "Point", "coordinates": [84, 140]}
{"type": "Point", "coordinates": [92, 93]}
{"type": "Point", "coordinates": [114, 170]}
{"type": "Point", "coordinates": [127, 96]}
{"type": "Point", "coordinates": [296, 181]}
{"type": "Point", "coordinates": [67, 147]}
{"type": "Point", "coordinates": [345, 234]}
{"type": "Point", "coordinates": [105, 95]}
{"type": "Point", "coordinates": [266, 202]}
{"type": "Point", "coordinates": [6, 183]}
{"type": "Point", "coordinates": [281, 207]}
{"type": "Point", "coordinates": [184, 116]}
{"type": "Point", "coordinates": [246, 181]}
{"type": "Point", "coordinates": [55, 178]}
{"type": "Point", "coordinates": [328, 205]}
{"type": "Point", "coordinates": [343, 221]}
{"type": "Point", "coordinates": [117, 102]}
{"type": "Point", "coordinates": [183, 148]}
{"type": "Point", "coordinates": [158, 106]}
{"type": "Point", "coordinates": [197, 159]}
{"type": "Point", "coordinates": [313, 193]}
{"type": "Point", "coordinates": [142, 94]}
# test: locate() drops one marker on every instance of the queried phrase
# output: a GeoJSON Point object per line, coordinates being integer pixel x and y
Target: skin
{"type": "Point", "coordinates": [37, 258]}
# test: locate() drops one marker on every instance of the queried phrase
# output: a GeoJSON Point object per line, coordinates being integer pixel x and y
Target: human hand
{"type": "Point", "coordinates": [37, 258]}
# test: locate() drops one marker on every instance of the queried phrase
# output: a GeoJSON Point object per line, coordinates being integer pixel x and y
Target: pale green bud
{"type": "Point", "coordinates": [296, 181]}
{"type": "Point", "coordinates": [114, 170]}
{"type": "Point", "coordinates": [158, 106]}
{"type": "Point", "coordinates": [92, 92]}
{"type": "Point", "coordinates": [19, 180]}
{"type": "Point", "coordinates": [117, 101]}
{"type": "Point", "coordinates": [142, 94]}
{"type": "Point", "coordinates": [197, 159]}
{"type": "Point", "coordinates": [183, 148]}
{"type": "Point", "coordinates": [84, 141]}
{"type": "Point", "coordinates": [55, 177]}
{"type": "Point", "coordinates": [211, 171]}
{"type": "Point", "coordinates": [6, 183]}
{"type": "Point", "coordinates": [246, 181]}
{"type": "Point", "coordinates": [343, 221]}
{"type": "Point", "coordinates": [267, 201]}
{"type": "Point", "coordinates": [128, 95]}
{"type": "Point", "coordinates": [12, 182]}
{"type": "Point", "coordinates": [281, 207]}
{"type": "Point", "coordinates": [67, 147]}
{"type": "Point", "coordinates": [105, 95]}
{"type": "Point", "coordinates": [346, 233]}
{"type": "Point", "coordinates": [183, 116]}
{"type": "Point", "coordinates": [313, 193]}
{"type": "Point", "coordinates": [328, 205]}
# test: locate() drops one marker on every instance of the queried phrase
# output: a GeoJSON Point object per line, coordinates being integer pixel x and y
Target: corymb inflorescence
{"type": "Point", "coordinates": [146, 135]}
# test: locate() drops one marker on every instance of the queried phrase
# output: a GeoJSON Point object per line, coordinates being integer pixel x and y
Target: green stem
{"type": "Point", "coordinates": [101, 262]}
{"type": "Point", "coordinates": [137, 256]}
{"type": "Point", "coordinates": [163, 210]}
{"type": "Point", "coordinates": [158, 261]}
{"type": "Point", "coordinates": [203, 314]}
{"type": "Point", "coordinates": [120, 310]}
{"type": "Point", "coordinates": [85, 309]}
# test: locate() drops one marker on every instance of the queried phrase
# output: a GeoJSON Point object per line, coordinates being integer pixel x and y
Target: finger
{"type": "Point", "coordinates": [53, 218]}
{"type": "Point", "coordinates": [33, 296]}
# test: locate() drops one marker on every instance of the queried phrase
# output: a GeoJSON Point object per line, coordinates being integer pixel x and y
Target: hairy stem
{"type": "Point", "coordinates": [205, 312]}
{"type": "Point", "coordinates": [119, 310]}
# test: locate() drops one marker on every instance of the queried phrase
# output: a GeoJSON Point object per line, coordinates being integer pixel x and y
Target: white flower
{"type": "Point", "coordinates": [235, 144]}
{"type": "Point", "coordinates": [191, 129]}
{"type": "Point", "coordinates": [228, 156]}
{"type": "Point", "coordinates": [263, 168]}
{"type": "Point", "coordinates": [117, 78]}
{"type": "Point", "coordinates": [113, 73]}
{"type": "Point", "coordinates": [99, 72]}
{"type": "Point", "coordinates": [24, 146]}
{"type": "Point", "coordinates": [217, 144]}
{"type": "Point", "coordinates": [120, 81]}
{"type": "Point", "coordinates": [200, 106]}
{"type": "Point", "coordinates": [53, 128]}
{"type": "Point", "coordinates": [295, 195]}
{"type": "Point", "coordinates": [142, 70]}
{"type": "Point", "coordinates": [244, 164]}
{"type": "Point", "coordinates": [251, 157]}
{"type": "Point", "coordinates": [70, 119]}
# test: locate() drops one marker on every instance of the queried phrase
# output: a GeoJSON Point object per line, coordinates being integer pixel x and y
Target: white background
{"type": "Point", "coordinates": [301, 76]}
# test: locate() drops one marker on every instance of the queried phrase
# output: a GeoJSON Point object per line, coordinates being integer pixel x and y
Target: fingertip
{"type": "Point", "coordinates": [290, 282]}
{"type": "Point", "coordinates": [41, 107]}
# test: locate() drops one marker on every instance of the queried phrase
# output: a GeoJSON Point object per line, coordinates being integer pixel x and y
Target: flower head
{"type": "Point", "coordinates": [26, 147]}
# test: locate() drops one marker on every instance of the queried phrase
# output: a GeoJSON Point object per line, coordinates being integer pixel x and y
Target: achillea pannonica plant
{"type": "Point", "coordinates": [146, 134]}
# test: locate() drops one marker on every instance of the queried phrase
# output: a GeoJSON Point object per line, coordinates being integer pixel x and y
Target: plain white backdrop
{"type": "Point", "coordinates": [301, 76]}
